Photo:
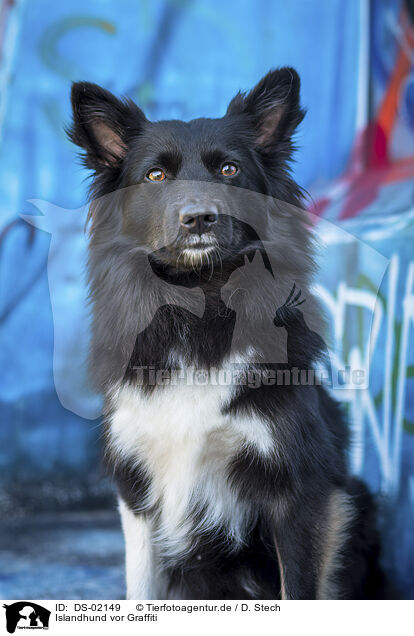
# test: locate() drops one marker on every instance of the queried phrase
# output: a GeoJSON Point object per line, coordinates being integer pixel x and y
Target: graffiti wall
{"type": "Point", "coordinates": [370, 306]}
{"type": "Point", "coordinates": [182, 59]}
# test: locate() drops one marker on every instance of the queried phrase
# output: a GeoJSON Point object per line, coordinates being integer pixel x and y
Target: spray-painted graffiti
{"type": "Point", "coordinates": [383, 412]}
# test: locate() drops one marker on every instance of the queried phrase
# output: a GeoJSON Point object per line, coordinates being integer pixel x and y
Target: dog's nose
{"type": "Point", "coordinates": [195, 221]}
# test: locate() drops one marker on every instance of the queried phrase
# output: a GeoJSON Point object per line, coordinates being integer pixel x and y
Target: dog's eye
{"type": "Point", "coordinates": [156, 175]}
{"type": "Point", "coordinates": [228, 169]}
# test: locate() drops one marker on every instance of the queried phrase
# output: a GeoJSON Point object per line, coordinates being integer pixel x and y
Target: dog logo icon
{"type": "Point", "coordinates": [26, 615]}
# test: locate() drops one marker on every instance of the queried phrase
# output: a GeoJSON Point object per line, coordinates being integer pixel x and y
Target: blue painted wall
{"type": "Point", "coordinates": [177, 59]}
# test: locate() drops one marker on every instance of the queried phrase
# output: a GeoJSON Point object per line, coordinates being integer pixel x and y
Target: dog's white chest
{"type": "Point", "coordinates": [185, 442]}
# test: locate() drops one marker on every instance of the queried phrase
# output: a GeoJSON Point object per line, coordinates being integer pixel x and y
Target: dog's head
{"type": "Point", "coordinates": [173, 175]}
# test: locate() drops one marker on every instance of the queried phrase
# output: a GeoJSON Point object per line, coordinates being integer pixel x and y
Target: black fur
{"type": "Point", "coordinates": [137, 278]}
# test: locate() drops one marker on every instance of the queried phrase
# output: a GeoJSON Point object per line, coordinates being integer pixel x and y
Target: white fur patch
{"type": "Point", "coordinates": [139, 559]}
{"type": "Point", "coordinates": [341, 513]}
{"type": "Point", "coordinates": [179, 434]}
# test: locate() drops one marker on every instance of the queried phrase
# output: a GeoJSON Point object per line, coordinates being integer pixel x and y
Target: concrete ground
{"type": "Point", "coordinates": [78, 555]}
{"type": "Point", "coordinates": [62, 556]}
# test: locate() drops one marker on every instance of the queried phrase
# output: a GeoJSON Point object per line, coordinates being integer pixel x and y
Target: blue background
{"type": "Point", "coordinates": [177, 59]}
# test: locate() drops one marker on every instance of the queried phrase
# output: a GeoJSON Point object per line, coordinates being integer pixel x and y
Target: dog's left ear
{"type": "Point", "coordinates": [273, 106]}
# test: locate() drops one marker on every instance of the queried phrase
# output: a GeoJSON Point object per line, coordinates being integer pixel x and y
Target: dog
{"type": "Point", "coordinates": [226, 490]}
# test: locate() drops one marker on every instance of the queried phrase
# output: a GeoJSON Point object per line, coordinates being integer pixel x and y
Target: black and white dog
{"type": "Point", "coordinates": [200, 256]}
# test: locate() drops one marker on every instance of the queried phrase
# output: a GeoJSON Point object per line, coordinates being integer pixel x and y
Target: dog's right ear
{"type": "Point", "coordinates": [102, 125]}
